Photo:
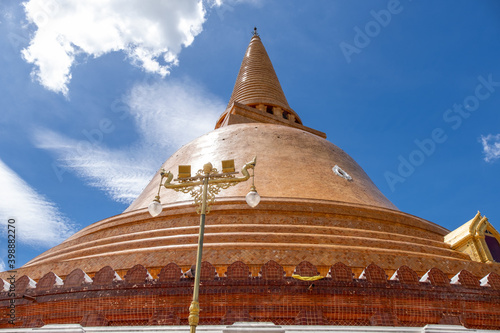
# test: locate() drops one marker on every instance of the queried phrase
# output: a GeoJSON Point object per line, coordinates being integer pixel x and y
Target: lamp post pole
{"type": "Point", "coordinates": [203, 187]}
{"type": "Point", "coordinates": [194, 308]}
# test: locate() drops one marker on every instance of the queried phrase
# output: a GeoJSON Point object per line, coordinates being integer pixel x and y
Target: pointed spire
{"type": "Point", "coordinates": [257, 82]}
{"type": "Point", "coordinates": [257, 95]}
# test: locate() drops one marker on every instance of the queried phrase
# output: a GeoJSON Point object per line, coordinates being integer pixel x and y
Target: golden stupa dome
{"type": "Point", "coordinates": [317, 203]}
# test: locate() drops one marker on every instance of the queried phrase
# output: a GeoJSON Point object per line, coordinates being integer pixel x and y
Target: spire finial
{"type": "Point", "coordinates": [255, 32]}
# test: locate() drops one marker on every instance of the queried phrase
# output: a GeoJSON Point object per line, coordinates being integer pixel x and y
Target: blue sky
{"type": "Point", "coordinates": [94, 96]}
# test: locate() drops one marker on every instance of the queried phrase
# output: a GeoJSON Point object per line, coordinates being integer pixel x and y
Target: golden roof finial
{"type": "Point", "coordinates": [257, 82]}
{"type": "Point", "coordinates": [257, 87]}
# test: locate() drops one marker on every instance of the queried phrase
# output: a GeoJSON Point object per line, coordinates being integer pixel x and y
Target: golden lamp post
{"type": "Point", "coordinates": [203, 187]}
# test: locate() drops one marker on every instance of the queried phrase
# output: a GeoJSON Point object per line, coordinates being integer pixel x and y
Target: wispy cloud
{"type": "Point", "coordinates": [164, 111]}
{"type": "Point", "coordinates": [151, 33]}
{"type": "Point", "coordinates": [120, 173]}
{"type": "Point", "coordinates": [161, 112]}
{"type": "Point", "coordinates": [491, 147]}
{"type": "Point", "coordinates": [38, 221]}
{"type": "Point", "coordinates": [2, 266]}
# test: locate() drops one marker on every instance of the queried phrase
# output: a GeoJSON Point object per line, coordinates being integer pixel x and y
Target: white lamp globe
{"type": "Point", "coordinates": [155, 208]}
{"type": "Point", "coordinates": [253, 198]}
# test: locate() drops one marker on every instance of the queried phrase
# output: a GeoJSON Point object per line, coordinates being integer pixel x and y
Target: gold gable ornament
{"type": "Point", "coordinates": [476, 238]}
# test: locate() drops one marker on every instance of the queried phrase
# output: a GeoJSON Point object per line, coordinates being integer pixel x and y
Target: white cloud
{"type": "Point", "coordinates": [37, 219]}
{"type": "Point", "coordinates": [491, 147]}
{"type": "Point", "coordinates": [2, 266]}
{"type": "Point", "coordinates": [151, 33]}
{"type": "Point", "coordinates": [117, 172]}
{"type": "Point", "coordinates": [162, 112]}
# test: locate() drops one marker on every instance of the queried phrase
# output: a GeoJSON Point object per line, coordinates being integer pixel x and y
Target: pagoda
{"type": "Point", "coordinates": [321, 219]}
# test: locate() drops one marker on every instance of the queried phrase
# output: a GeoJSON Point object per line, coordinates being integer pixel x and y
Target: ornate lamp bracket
{"type": "Point", "coordinates": [216, 181]}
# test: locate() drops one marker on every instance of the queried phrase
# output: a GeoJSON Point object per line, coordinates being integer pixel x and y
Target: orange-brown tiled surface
{"type": "Point", "coordinates": [373, 300]}
{"type": "Point", "coordinates": [287, 232]}
{"type": "Point", "coordinates": [291, 163]}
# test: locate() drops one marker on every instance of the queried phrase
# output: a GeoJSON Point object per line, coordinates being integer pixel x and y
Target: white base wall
{"type": "Point", "coordinates": [244, 328]}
